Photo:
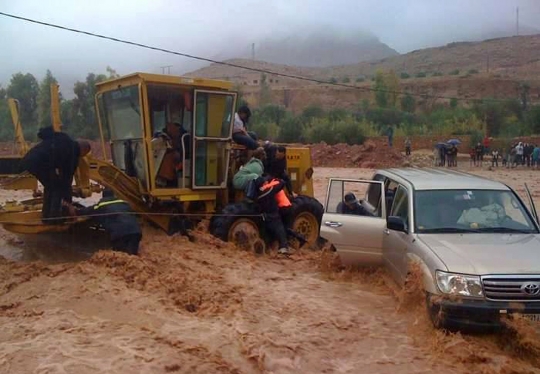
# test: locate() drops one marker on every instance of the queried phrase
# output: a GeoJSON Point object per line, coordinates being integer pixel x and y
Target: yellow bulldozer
{"type": "Point", "coordinates": [132, 111]}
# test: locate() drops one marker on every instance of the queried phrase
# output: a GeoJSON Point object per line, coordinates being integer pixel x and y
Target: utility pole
{"type": "Point", "coordinates": [168, 67]}
{"type": "Point", "coordinates": [517, 21]}
{"type": "Point", "coordinates": [253, 51]}
{"type": "Point", "coordinates": [487, 63]}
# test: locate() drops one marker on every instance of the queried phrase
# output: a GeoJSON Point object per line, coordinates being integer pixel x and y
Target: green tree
{"type": "Point", "coordinates": [312, 111]}
{"type": "Point", "coordinates": [291, 131]}
{"type": "Point", "coordinates": [337, 114]}
{"type": "Point", "coordinates": [404, 75]}
{"type": "Point", "coordinates": [270, 114]}
{"type": "Point", "coordinates": [524, 89]}
{"type": "Point", "coordinates": [392, 85]}
{"type": "Point", "coordinates": [345, 80]}
{"type": "Point", "coordinates": [380, 90]}
{"type": "Point", "coordinates": [6, 127]}
{"type": "Point", "coordinates": [44, 100]}
{"type": "Point", "coordinates": [453, 103]}
{"type": "Point", "coordinates": [83, 118]}
{"type": "Point", "coordinates": [112, 73]}
{"type": "Point", "coordinates": [25, 88]}
{"type": "Point", "coordinates": [454, 72]}
{"type": "Point", "coordinates": [532, 119]}
{"type": "Point", "coordinates": [360, 79]}
{"type": "Point", "coordinates": [333, 80]}
{"type": "Point", "coordinates": [421, 74]}
{"type": "Point", "coordinates": [265, 95]}
{"type": "Point", "coordinates": [408, 103]}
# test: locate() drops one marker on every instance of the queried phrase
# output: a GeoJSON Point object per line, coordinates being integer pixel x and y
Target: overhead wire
{"type": "Point", "coordinates": [224, 63]}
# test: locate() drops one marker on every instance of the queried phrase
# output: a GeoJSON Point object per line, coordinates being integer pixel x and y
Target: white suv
{"type": "Point", "coordinates": [477, 244]}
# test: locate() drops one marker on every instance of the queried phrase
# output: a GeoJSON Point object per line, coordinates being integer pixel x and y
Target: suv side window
{"type": "Point", "coordinates": [389, 193]}
{"type": "Point", "coordinates": [400, 208]}
{"type": "Point", "coordinates": [374, 192]}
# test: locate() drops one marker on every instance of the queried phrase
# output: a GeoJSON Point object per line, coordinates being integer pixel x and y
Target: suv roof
{"type": "Point", "coordinates": [440, 179]}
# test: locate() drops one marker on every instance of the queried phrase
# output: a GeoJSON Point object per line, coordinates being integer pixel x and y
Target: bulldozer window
{"type": "Point", "coordinates": [170, 117]}
{"type": "Point", "coordinates": [213, 115]}
{"type": "Point", "coordinates": [120, 114]}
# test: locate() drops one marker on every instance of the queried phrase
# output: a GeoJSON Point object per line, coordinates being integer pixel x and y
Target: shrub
{"type": "Point", "coordinates": [312, 111]}
{"type": "Point", "coordinates": [337, 114]}
{"type": "Point", "coordinates": [345, 80]}
{"type": "Point", "coordinates": [291, 130]}
{"type": "Point", "coordinates": [333, 80]}
{"type": "Point", "coordinates": [333, 132]}
{"type": "Point", "coordinates": [437, 74]}
{"type": "Point", "coordinates": [404, 75]}
{"type": "Point", "coordinates": [454, 72]}
{"type": "Point", "coordinates": [472, 71]}
{"type": "Point", "coordinates": [421, 75]}
{"type": "Point", "coordinates": [360, 79]}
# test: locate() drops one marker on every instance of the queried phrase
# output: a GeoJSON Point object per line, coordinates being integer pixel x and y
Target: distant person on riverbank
{"type": "Point", "coordinates": [390, 134]}
{"type": "Point", "coordinates": [407, 147]}
{"type": "Point", "coordinates": [495, 158]}
{"type": "Point", "coordinates": [479, 154]}
{"type": "Point", "coordinates": [535, 156]}
{"type": "Point", "coordinates": [486, 144]}
{"type": "Point", "coordinates": [451, 155]}
{"type": "Point", "coordinates": [472, 155]}
{"type": "Point", "coordinates": [527, 154]}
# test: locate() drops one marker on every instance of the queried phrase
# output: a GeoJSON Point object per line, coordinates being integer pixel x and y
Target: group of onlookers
{"type": "Point", "coordinates": [517, 154]}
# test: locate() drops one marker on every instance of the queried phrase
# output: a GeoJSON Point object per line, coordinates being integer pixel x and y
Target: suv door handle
{"type": "Point", "coordinates": [333, 224]}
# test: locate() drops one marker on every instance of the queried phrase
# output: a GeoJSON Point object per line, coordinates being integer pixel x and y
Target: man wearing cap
{"type": "Point", "coordinates": [53, 162]}
{"type": "Point", "coordinates": [240, 134]}
{"type": "Point", "coordinates": [172, 161]}
{"type": "Point", "coordinates": [117, 218]}
{"type": "Point", "coordinates": [350, 205]}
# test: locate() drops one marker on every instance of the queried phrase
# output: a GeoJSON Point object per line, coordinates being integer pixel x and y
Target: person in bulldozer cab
{"type": "Point", "coordinates": [53, 162]}
{"type": "Point", "coordinates": [172, 160]}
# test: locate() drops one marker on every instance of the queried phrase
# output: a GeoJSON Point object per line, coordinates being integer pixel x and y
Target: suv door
{"type": "Point", "coordinates": [358, 239]}
{"type": "Point", "coordinates": [396, 243]}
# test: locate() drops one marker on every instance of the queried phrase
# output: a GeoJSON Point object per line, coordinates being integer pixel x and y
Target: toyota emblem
{"type": "Point", "coordinates": [530, 289]}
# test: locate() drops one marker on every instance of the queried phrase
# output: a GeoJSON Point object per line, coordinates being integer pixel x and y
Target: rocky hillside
{"type": "Point", "coordinates": [321, 47]}
{"type": "Point", "coordinates": [513, 57]}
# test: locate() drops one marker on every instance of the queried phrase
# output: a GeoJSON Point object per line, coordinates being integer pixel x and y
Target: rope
{"type": "Point", "coordinates": [292, 76]}
{"type": "Point", "coordinates": [127, 213]}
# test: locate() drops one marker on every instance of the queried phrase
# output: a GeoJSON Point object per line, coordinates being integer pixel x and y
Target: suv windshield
{"type": "Point", "coordinates": [451, 211]}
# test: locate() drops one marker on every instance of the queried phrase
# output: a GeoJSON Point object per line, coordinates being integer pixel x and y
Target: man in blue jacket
{"type": "Point", "coordinates": [117, 218]}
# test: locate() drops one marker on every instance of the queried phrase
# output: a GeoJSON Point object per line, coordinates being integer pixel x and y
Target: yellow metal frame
{"type": "Point", "coordinates": [18, 181]}
{"type": "Point", "coordinates": [19, 135]}
{"type": "Point", "coordinates": [26, 218]}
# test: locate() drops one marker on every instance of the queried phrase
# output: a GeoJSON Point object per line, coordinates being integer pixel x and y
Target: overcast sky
{"type": "Point", "coordinates": [209, 27]}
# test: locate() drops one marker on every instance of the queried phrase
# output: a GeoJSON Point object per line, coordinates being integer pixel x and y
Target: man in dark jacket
{"type": "Point", "coordinates": [53, 162]}
{"type": "Point", "coordinates": [350, 205]}
{"type": "Point", "coordinates": [269, 206]}
{"type": "Point", "coordinates": [276, 164]}
{"type": "Point", "coordinates": [117, 218]}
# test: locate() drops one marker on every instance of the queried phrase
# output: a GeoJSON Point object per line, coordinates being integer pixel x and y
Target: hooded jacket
{"type": "Point", "coordinates": [250, 171]}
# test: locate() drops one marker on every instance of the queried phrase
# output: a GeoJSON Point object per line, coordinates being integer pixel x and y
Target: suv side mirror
{"type": "Point", "coordinates": [396, 224]}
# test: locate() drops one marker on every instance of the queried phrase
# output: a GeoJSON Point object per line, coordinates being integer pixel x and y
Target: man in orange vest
{"type": "Point", "coordinates": [268, 202]}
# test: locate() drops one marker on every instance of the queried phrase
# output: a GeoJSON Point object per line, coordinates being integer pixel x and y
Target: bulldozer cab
{"type": "Point", "coordinates": [172, 134]}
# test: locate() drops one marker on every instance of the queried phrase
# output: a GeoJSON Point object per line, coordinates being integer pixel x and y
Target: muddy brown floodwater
{"type": "Point", "coordinates": [207, 307]}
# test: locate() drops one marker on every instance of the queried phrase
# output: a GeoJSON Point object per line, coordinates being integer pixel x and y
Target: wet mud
{"type": "Point", "coordinates": [209, 307]}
